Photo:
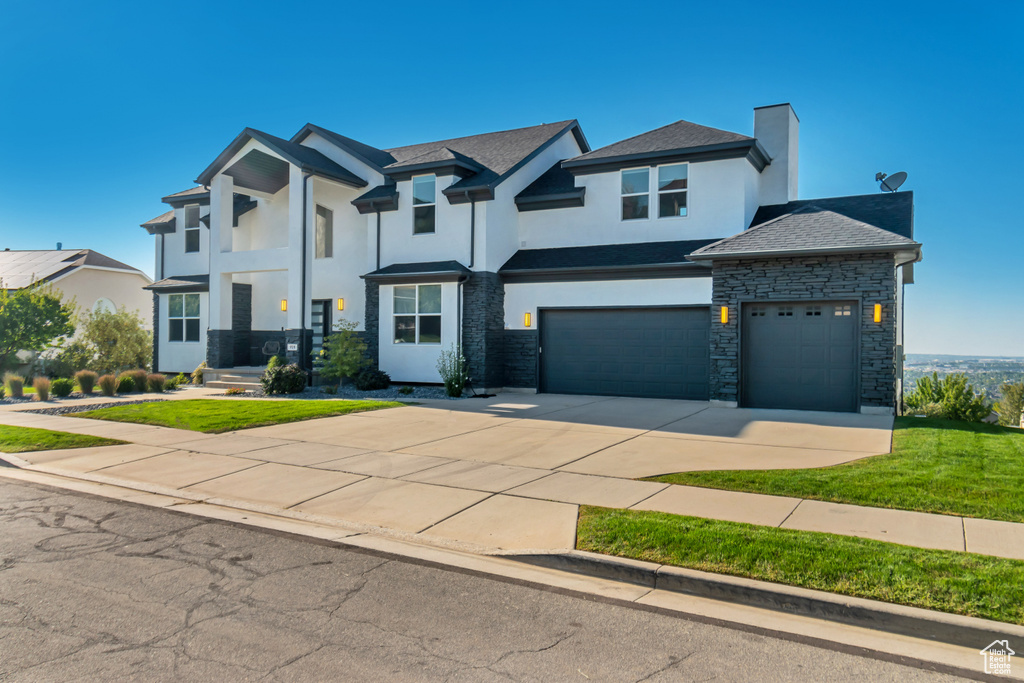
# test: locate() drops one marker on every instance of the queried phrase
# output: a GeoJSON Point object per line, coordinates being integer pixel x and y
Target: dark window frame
{"type": "Point", "coordinates": [422, 210]}
{"type": "Point", "coordinates": [184, 328]}
{"type": "Point", "coordinates": [416, 318]}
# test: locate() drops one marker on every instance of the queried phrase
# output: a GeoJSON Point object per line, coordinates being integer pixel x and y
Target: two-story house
{"type": "Point", "coordinates": [678, 263]}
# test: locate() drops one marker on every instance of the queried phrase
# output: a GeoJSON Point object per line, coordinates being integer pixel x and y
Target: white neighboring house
{"type": "Point", "coordinates": [92, 280]}
{"type": "Point", "coordinates": [678, 263]}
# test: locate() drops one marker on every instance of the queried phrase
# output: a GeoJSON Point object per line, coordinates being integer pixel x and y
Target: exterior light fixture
{"type": "Point", "coordinates": [527, 319]}
{"type": "Point", "coordinates": [878, 313]}
{"type": "Point", "coordinates": [341, 304]}
{"type": "Point", "coordinates": [284, 304]}
{"type": "Point", "coordinates": [725, 315]}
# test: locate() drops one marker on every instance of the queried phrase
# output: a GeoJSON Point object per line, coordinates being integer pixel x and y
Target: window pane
{"type": "Point", "coordinates": [176, 328]}
{"type": "Point", "coordinates": [672, 177]}
{"type": "Point", "coordinates": [423, 189]}
{"type": "Point", "coordinates": [423, 220]}
{"type": "Point", "coordinates": [324, 233]}
{"type": "Point", "coordinates": [672, 204]}
{"type": "Point", "coordinates": [192, 240]}
{"type": "Point", "coordinates": [405, 329]}
{"type": "Point", "coordinates": [174, 308]}
{"type": "Point", "coordinates": [430, 298]}
{"type": "Point", "coordinates": [635, 181]}
{"type": "Point", "coordinates": [430, 329]}
{"type": "Point", "coordinates": [192, 216]}
{"type": "Point", "coordinates": [191, 305]}
{"type": "Point", "coordinates": [634, 207]}
{"type": "Point", "coordinates": [192, 330]}
{"type": "Point", "coordinates": [405, 299]}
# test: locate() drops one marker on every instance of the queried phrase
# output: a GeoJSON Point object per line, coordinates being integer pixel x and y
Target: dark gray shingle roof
{"type": "Point", "coordinates": [604, 256]}
{"type": "Point", "coordinates": [555, 180]}
{"type": "Point", "coordinates": [808, 229]}
{"type": "Point", "coordinates": [419, 269]}
{"type": "Point", "coordinates": [675, 137]}
{"type": "Point", "coordinates": [374, 157]}
{"type": "Point", "coordinates": [892, 211]}
{"type": "Point", "coordinates": [181, 283]}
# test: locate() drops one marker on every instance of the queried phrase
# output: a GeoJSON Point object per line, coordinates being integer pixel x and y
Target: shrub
{"type": "Point", "coordinates": [62, 387]}
{"type": "Point", "coordinates": [331, 389]}
{"type": "Point", "coordinates": [276, 361]}
{"type": "Point", "coordinates": [371, 379]}
{"type": "Point", "coordinates": [954, 396]}
{"type": "Point", "coordinates": [140, 378]}
{"type": "Point", "coordinates": [283, 379]}
{"type": "Point", "coordinates": [343, 354]}
{"type": "Point", "coordinates": [405, 391]}
{"type": "Point", "coordinates": [15, 385]}
{"type": "Point", "coordinates": [86, 381]}
{"type": "Point", "coordinates": [451, 365]}
{"type": "Point", "coordinates": [107, 384]}
{"type": "Point", "coordinates": [1011, 404]}
{"type": "Point", "coordinates": [156, 382]}
{"type": "Point", "coordinates": [125, 383]}
{"type": "Point", "coordinates": [62, 361]}
{"type": "Point", "coordinates": [197, 374]}
{"type": "Point", "coordinates": [42, 387]}
{"type": "Point", "coordinates": [171, 384]}
{"type": "Point", "coordinates": [2, 392]}
{"type": "Point", "coordinates": [116, 339]}
{"type": "Point", "coordinates": [234, 391]}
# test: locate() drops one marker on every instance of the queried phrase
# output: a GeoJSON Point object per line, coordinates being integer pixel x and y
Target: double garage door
{"type": "Point", "coordinates": [647, 352]}
{"type": "Point", "coordinates": [795, 356]}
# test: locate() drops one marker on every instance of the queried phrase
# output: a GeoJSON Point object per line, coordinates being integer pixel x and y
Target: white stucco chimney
{"type": "Point", "coordinates": [777, 128]}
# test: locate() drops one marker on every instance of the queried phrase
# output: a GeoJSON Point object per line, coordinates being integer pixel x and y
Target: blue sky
{"type": "Point", "coordinates": [106, 107]}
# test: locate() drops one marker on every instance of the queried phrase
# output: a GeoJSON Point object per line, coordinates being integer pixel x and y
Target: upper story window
{"type": "Point", "coordinates": [672, 190]}
{"type": "Point", "coordinates": [183, 317]}
{"type": "Point", "coordinates": [417, 314]}
{"type": "Point", "coordinates": [636, 193]}
{"type": "Point", "coordinates": [423, 204]}
{"type": "Point", "coordinates": [191, 228]}
{"type": "Point", "coordinates": [324, 237]}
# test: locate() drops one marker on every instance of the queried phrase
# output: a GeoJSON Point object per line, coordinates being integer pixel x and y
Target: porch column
{"type": "Point", "coordinates": [299, 335]}
{"type": "Point", "coordinates": [219, 337]}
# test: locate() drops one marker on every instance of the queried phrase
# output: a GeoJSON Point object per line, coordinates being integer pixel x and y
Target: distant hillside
{"type": "Point", "coordinates": [986, 373]}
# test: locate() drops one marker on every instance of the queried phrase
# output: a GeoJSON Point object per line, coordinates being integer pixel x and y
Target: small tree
{"type": "Point", "coordinates": [117, 340]}
{"type": "Point", "coordinates": [343, 354]}
{"type": "Point", "coordinates": [32, 319]}
{"type": "Point", "coordinates": [451, 365]}
{"type": "Point", "coordinates": [954, 396]}
{"type": "Point", "coordinates": [1011, 405]}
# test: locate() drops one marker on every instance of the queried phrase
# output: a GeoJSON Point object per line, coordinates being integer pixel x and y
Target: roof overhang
{"type": "Point", "coordinates": [161, 225]}
{"type": "Point", "coordinates": [382, 198]}
{"type": "Point", "coordinates": [748, 255]}
{"type": "Point", "coordinates": [179, 200]}
{"type": "Point", "coordinates": [558, 200]}
{"type": "Point", "coordinates": [411, 273]}
{"type": "Point", "coordinates": [181, 284]}
{"type": "Point", "coordinates": [650, 271]}
{"type": "Point", "coordinates": [750, 149]}
{"type": "Point", "coordinates": [455, 167]}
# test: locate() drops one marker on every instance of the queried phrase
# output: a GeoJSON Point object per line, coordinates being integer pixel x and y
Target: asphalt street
{"type": "Point", "coordinates": [92, 589]}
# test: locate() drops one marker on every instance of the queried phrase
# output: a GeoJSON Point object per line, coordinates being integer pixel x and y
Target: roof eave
{"type": "Point", "coordinates": [751, 149]}
{"type": "Point", "coordinates": [824, 251]}
{"type": "Point", "coordinates": [632, 272]}
{"type": "Point", "coordinates": [555, 200]}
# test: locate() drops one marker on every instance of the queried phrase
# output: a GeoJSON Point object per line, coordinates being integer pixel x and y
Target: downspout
{"type": "Point", "coordinates": [378, 238]}
{"type": "Point", "coordinates": [163, 247]}
{"type": "Point", "coordinates": [903, 346]}
{"type": "Point", "coordinates": [472, 229]}
{"type": "Point", "coordinates": [302, 289]}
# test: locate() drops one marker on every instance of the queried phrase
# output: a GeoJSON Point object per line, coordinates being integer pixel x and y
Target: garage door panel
{"type": "Point", "coordinates": [800, 356]}
{"type": "Point", "coordinates": [660, 352]}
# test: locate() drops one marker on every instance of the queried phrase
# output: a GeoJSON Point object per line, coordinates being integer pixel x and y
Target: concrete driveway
{"type": "Point", "coordinates": [506, 472]}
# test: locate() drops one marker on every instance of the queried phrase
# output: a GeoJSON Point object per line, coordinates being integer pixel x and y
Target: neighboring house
{"type": "Point", "coordinates": [678, 263]}
{"type": "Point", "coordinates": [93, 280]}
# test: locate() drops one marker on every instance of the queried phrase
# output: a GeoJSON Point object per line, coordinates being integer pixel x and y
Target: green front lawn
{"type": "Point", "coordinates": [25, 439]}
{"type": "Point", "coordinates": [214, 416]}
{"type": "Point", "coordinates": [960, 583]}
{"type": "Point", "coordinates": [958, 468]}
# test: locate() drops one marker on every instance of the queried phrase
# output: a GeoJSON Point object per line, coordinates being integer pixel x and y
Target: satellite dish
{"type": "Point", "coordinates": [892, 182]}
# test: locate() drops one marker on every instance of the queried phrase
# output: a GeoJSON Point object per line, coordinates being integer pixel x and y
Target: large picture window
{"type": "Point", "coordinates": [417, 314]}
{"type": "Point", "coordinates": [636, 197]}
{"type": "Point", "coordinates": [672, 190]}
{"type": "Point", "coordinates": [423, 204]}
{"type": "Point", "coordinates": [183, 317]}
{"type": "Point", "coordinates": [191, 228]}
{"type": "Point", "coordinates": [324, 232]}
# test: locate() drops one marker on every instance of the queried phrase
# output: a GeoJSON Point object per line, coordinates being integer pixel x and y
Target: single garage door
{"type": "Point", "coordinates": [648, 352]}
{"type": "Point", "coordinates": [800, 355]}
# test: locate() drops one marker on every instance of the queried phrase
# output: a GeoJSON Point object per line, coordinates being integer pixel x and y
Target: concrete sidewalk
{"type": "Point", "coordinates": [509, 476]}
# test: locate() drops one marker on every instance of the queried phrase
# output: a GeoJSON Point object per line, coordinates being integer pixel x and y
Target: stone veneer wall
{"type": "Point", "coordinates": [220, 348]}
{"type": "Point", "coordinates": [241, 321]}
{"type": "Point", "coordinates": [868, 277]}
{"type": "Point", "coordinates": [483, 328]}
{"type": "Point", "coordinates": [521, 358]}
{"type": "Point", "coordinates": [371, 325]}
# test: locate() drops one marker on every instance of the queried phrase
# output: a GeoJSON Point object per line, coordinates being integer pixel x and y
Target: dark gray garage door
{"type": "Point", "coordinates": [650, 352]}
{"type": "Point", "coordinates": [800, 356]}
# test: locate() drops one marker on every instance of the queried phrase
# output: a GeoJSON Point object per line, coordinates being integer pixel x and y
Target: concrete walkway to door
{"type": "Point", "coordinates": [508, 473]}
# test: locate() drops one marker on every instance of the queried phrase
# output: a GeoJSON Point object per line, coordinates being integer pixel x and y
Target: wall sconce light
{"type": "Point", "coordinates": [878, 313]}
{"type": "Point", "coordinates": [284, 304]}
{"type": "Point", "coordinates": [725, 315]}
{"type": "Point", "coordinates": [527, 319]}
{"type": "Point", "coordinates": [341, 304]}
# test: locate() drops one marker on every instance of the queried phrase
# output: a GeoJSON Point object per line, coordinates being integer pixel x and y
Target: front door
{"type": "Point", "coordinates": [321, 315]}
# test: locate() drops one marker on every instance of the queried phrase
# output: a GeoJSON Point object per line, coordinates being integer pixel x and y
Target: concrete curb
{"type": "Point", "coordinates": [881, 616]}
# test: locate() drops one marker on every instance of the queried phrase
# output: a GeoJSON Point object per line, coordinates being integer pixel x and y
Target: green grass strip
{"type": "Point", "coordinates": [213, 416]}
{"type": "Point", "coordinates": [941, 466]}
{"type": "Point", "coordinates": [960, 583]}
{"type": "Point", "coordinates": [25, 439]}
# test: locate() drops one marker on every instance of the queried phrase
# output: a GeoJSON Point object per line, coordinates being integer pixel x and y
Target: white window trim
{"type": "Point", "coordinates": [183, 318]}
{"type": "Point", "coordinates": [622, 195]}
{"type": "Point", "coordinates": [412, 195]}
{"type": "Point", "coordinates": [658, 192]}
{"type": "Point", "coordinates": [417, 315]}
